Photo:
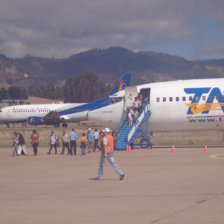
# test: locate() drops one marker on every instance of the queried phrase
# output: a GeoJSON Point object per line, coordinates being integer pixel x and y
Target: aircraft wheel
{"type": "Point", "coordinates": [132, 146]}
{"type": "Point", "coordinates": [64, 125]}
{"type": "Point", "coordinates": [145, 143]}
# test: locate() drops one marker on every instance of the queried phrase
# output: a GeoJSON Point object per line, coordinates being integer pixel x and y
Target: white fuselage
{"type": "Point", "coordinates": [20, 113]}
{"type": "Point", "coordinates": [183, 105]}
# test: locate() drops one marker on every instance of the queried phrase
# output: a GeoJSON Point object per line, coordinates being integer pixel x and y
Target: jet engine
{"type": "Point", "coordinates": [34, 120]}
{"type": "Point", "coordinates": [52, 118]}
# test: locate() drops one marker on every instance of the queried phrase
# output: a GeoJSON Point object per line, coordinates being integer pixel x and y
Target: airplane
{"type": "Point", "coordinates": [181, 105]}
{"type": "Point", "coordinates": [54, 114]}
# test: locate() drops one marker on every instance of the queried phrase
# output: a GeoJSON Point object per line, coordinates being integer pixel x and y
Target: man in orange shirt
{"type": "Point", "coordinates": [83, 144]}
{"type": "Point", "coordinates": [108, 153]}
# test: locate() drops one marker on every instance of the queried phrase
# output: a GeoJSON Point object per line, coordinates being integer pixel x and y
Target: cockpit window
{"type": "Point", "coordinates": [0, 110]}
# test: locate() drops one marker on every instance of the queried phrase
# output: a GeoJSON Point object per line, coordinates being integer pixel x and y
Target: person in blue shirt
{"type": "Point", "coordinates": [73, 137]}
{"type": "Point", "coordinates": [96, 139]}
{"type": "Point", "coordinates": [90, 139]}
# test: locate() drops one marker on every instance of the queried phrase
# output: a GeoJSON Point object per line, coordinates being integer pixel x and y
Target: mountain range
{"type": "Point", "coordinates": [109, 64]}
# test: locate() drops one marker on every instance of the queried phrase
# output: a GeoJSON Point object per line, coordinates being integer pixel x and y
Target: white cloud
{"type": "Point", "coordinates": [60, 28]}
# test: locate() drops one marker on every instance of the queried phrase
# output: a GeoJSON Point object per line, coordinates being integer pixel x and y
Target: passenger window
{"type": "Point", "coordinates": [203, 98]}
{"type": "Point", "coordinates": [190, 98]}
{"type": "Point", "coordinates": [164, 99]}
{"type": "Point", "coordinates": [157, 99]}
{"type": "Point", "coordinates": [171, 99]}
{"type": "Point", "coordinates": [184, 98]}
{"type": "Point", "coordinates": [177, 98]}
{"type": "Point", "coordinates": [197, 99]}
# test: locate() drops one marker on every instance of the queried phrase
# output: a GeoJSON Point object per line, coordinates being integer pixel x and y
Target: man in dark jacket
{"type": "Point", "coordinates": [21, 144]}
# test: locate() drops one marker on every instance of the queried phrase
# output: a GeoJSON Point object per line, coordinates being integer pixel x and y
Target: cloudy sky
{"type": "Point", "coordinates": [193, 29]}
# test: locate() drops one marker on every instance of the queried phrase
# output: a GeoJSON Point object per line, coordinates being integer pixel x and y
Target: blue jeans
{"type": "Point", "coordinates": [14, 149]}
{"type": "Point", "coordinates": [112, 163]}
{"type": "Point", "coordinates": [95, 144]}
{"type": "Point", "coordinates": [83, 149]}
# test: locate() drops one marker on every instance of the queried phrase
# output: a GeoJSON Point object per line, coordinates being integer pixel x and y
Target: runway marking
{"type": "Point", "coordinates": [217, 156]}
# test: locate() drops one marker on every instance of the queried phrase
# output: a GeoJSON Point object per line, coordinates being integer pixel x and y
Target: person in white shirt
{"type": "Point", "coordinates": [53, 139]}
{"type": "Point", "coordinates": [65, 142]}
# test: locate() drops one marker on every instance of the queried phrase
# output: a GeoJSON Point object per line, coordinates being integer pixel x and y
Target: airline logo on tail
{"type": "Point", "coordinates": [124, 82]}
{"type": "Point", "coordinates": [214, 101]}
{"type": "Point", "coordinates": [122, 85]}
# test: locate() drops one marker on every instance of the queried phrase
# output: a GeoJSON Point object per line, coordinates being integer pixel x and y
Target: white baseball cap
{"type": "Point", "coordinates": [107, 130]}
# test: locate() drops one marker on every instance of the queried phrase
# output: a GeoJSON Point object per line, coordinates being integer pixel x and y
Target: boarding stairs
{"type": "Point", "coordinates": [135, 134]}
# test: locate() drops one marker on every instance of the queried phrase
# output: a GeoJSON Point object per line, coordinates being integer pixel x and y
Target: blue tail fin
{"type": "Point", "coordinates": [125, 81]}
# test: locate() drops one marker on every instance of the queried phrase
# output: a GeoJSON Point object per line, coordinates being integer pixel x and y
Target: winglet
{"type": "Point", "coordinates": [125, 81]}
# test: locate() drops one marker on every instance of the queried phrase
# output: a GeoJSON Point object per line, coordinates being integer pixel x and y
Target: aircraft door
{"type": "Point", "coordinates": [130, 94]}
{"type": "Point", "coordinates": [145, 92]}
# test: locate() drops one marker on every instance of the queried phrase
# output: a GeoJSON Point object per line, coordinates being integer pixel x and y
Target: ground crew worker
{"type": "Point", "coordinates": [108, 153]}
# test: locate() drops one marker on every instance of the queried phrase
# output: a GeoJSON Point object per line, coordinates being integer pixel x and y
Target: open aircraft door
{"type": "Point", "coordinates": [130, 94]}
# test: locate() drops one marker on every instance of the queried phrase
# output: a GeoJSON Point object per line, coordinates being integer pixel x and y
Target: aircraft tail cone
{"type": "Point", "coordinates": [173, 149]}
{"type": "Point", "coordinates": [206, 149]}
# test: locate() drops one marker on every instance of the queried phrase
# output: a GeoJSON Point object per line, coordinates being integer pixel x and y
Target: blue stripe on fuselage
{"type": "Point", "coordinates": [125, 81]}
{"type": "Point", "coordinates": [86, 107]}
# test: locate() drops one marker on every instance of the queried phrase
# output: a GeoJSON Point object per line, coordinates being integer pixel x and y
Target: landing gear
{"type": "Point", "coordinates": [57, 125]}
{"type": "Point", "coordinates": [145, 143]}
{"type": "Point", "coordinates": [64, 125]}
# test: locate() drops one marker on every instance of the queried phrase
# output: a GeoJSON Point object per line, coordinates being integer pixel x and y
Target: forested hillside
{"type": "Point", "coordinates": [39, 76]}
{"type": "Point", "coordinates": [85, 87]}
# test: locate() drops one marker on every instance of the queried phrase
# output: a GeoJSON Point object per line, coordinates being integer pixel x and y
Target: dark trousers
{"type": "Point", "coordinates": [95, 145]}
{"type": "Point", "coordinates": [55, 148]}
{"type": "Point", "coordinates": [65, 145]}
{"type": "Point", "coordinates": [73, 145]}
{"type": "Point", "coordinates": [35, 148]}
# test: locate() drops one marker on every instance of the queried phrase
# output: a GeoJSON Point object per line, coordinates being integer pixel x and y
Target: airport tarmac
{"type": "Point", "coordinates": [160, 186]}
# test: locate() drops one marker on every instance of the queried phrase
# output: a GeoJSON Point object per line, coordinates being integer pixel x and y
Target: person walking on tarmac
{"type": "Point", "coordinates": [34, 141]}
{"type": "Point", "coordinates": [21, 145]}
{"type": "Point", "coordinates": [108, 153]}
{"type": "Point", "coordinates": [90, 140]}
{"type": "Point", "coordinates": [65, 142]}
{"type": "Point", "coordinates": [73, 137]}
{"type": "Point", "coordinates": [53, 139]}
{"type": "Point", "coordinates": [15, 143]}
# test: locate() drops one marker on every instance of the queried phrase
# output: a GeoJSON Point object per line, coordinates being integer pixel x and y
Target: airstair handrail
{"type": "Point", "coordinates": [140, 120]}
{"type": "Point", "coordinates": [126, 133]}
{"type": "Point", "coordinates": [122, 123]}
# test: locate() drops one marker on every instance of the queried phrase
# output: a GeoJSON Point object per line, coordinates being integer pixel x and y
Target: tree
{"type": "Point", "coordinates": [85, 87]}
{"type": "Point", "coordinates": [4, 94]}
{"type": "Point", "coordinates": [16, 92]}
